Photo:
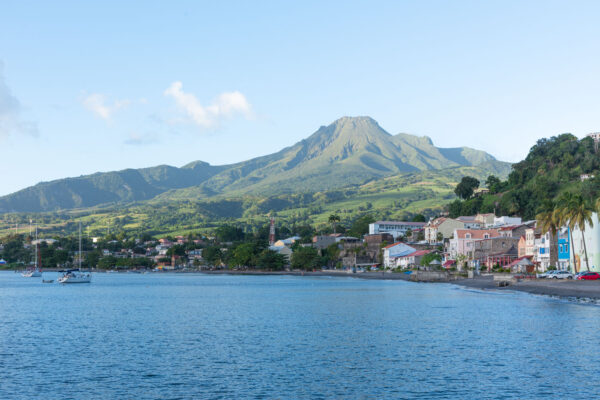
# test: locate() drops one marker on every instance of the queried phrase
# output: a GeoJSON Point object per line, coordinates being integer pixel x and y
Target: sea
{"type": "Point", "coordinates": [195, 336]}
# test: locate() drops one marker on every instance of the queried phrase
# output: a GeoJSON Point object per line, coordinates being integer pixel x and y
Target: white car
{"type": "Point", "coordinates": [547, 274]}
{"type": "Point", "coordinates": [561, 275]}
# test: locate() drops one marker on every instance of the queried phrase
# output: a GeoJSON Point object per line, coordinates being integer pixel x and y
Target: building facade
{"type": "Point", "coordinates": [394, 228]}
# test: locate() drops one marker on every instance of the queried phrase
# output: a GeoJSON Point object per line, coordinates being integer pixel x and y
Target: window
{"type": "Point", "coordinates": [486, 236]}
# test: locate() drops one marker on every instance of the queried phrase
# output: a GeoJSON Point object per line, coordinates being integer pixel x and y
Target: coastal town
{"type": "Point", "coordinates": [480, 243]}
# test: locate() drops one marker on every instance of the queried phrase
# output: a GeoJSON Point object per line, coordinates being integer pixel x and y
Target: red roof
{"type": "Point", "coordinates": [477, 233]}
{"type": "Point", "coordinates": [448, 263]}
{"type": "Point", "coordinates": [392, 245]}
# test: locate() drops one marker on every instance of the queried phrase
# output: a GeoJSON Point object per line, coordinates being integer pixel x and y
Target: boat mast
{"type": "Point", "coordinates": [80, 245]}
{"type": "Point", "coordinates": [36, 246]}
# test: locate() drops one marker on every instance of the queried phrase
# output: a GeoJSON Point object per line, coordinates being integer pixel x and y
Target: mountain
{"type": "Point", "coordinates": [350, 151]}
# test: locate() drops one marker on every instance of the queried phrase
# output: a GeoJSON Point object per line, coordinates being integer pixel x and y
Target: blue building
{"type": "Point", "coordinates": [564, 252]}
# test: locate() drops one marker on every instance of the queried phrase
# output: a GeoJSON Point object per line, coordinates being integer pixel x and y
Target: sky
{"type": "Point", "coordinates": [101, 86]}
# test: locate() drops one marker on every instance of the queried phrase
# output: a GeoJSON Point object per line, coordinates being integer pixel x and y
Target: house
{"type": "Point", "coordinates": [470, 222]}
{"type": "Point", "coordinates": [49, 242]}
{"type": "Point", "coordinates": [462, 242]}
{"type": "Point", "coordinates": [563, 249]}
{"type": "Point", "coordinates": [514, 231]}
{"type": "Point", "coordinates": [542, 251]}
{"type": "Point", "coordinates": [393, 251]}
{"type": "Point", "coordinates": [498, 250]}
{"type": "Point", "coordinates": [530, 242]}
{"type": "Point", "coordinates": [394, 228]}
{"type": "Point", "coordinates": [522, 247]}
{"type": "Point", "coordinates": [485, 219]}
{"type": "Point", "coordinates": [411, 260]}
{"type": "Point", "coordinates": [445, 226]}
{"type": "Point", "coordinates": [585, 177]}
{"type": "Point", "coordinates": [195, 254]}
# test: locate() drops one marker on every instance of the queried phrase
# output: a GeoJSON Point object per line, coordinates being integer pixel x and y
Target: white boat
{"type": "Point", "coordinates": [34, 272]}
{"type": "Point", "coordinates": [76, 275]}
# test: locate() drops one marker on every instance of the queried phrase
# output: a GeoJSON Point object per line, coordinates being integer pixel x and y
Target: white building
{"type": "Point", "coordinates": [395, 228]}
{"type": "Point", "coordinates": [392, 252]}
{"type": "Point", "coordinates": [595, 136]}
{"type": "Point", "coordinates": [542, 251]}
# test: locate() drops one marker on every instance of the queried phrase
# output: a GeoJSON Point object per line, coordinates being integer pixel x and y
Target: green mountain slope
{"type": "Point", "coordinates": [393, 197]}
{"type": "Point", "coordinates": [350, 151]}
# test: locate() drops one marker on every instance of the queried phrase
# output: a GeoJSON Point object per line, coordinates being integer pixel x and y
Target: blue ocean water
{"type": "Point", "coordinates": [193, 336]}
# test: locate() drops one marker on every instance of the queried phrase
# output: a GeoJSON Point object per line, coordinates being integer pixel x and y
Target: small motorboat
{"type": "Point", "coordinates": [47, 280]}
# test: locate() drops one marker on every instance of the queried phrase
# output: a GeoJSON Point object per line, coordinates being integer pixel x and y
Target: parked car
{"type": "Point", "coordinates": [589, 276]}
{"type": "Point", "coordinates": [562, 275]}
{"type": "Point", "coordinates": [547, 274]}
{"type": "Point", "coordinates": [577, 275]}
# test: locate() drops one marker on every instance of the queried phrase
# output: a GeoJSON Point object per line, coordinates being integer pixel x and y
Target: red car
{"type": "Point", "coordinates": [589, 276]}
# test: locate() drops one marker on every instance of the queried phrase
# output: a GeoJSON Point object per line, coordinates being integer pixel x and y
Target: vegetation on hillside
{"type": "Point", "coordinates": [552, 167]}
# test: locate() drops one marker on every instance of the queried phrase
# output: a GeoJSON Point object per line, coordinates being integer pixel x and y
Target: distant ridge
{"type": "Point", "coordinates": [349, 151]}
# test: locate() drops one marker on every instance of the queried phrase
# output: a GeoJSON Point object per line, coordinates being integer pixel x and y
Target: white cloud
{"type": "Point", "coordinates": [226, 105]}
{"type": "Point", "coordinates": [141, 139]}
{"type": "Point", "coordinates": [97, 104]}
{"type": "Point", "coordinates": [10, 112]}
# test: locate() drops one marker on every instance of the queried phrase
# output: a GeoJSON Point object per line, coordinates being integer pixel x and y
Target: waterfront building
{"type": "Point", "coordinates": [394, 228]}
{"type": "Point", "coordinates": [411, 260]}
{"type": "Point", "coordinates": [563, 249]}
{"type": "Point", "coordinates": [592, 243]}
{"type": "Point", "coordinates": [497, 250]}
{"type": "Point", "coordinates": [392, 252]}
{"type": "Point", "coordinates": [542, 251]}
{"type": "Point", "coordinates": [462, 242]}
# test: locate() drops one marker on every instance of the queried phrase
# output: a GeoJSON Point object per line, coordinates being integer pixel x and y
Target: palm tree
{"type": "Point", "coordinates": [576, 211]}
{"type": "Point", "coordinates": [333, 218]}
{"type": "Point", "coordinates": [549, 222]}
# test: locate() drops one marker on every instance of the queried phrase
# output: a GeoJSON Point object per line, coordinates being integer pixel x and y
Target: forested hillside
{"type": "Point", "coordinates": [553, 166]}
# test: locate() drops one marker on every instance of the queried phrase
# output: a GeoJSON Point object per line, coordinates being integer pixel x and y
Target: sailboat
{"type": "Point", "coordinates": [76, 275]}
{"type": "Point", "coordinates": [34, 272]}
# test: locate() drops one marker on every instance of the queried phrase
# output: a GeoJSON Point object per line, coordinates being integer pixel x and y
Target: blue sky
{"type": "Point", "coordinates": [88, 87]}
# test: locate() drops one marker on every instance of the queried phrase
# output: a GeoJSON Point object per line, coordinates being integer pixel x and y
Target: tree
{"type": "Point", "coordinates": [177, 250]}
{"type": "Point", "coordinates": [419, 218]}
{"type": "Point", "coordinates": [333, 219]}
{"type": "Point", "coordinates": [494, 184]}
{"type": "Point", "coordinates": [212, 255]}
{"type": "Point", "coordinates": [306, 258]}
{"type": "Point", "coordinates": [575, 211]}
{"type": "Point", "coordinates": [360, 226]}
{"type": "Point", "coordinates": [466, 187]}
{"type": "Point", "coordinates": [227, 233]}
{"type": "Point", "coordinates": [243, 254]}
{"type": "Point", "coordinates": [270, 259]}
{"type": "Point", "coordinates": [549, 222]}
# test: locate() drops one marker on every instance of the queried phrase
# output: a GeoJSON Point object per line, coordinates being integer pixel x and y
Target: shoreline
{"type": "Point", "coordinates": [564, 288]}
